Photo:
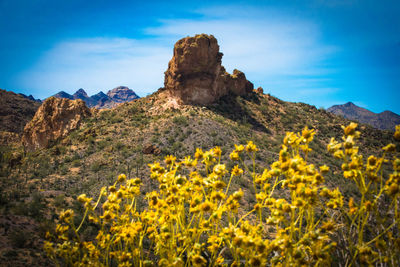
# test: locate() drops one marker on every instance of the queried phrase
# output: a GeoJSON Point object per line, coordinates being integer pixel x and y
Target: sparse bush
{"type": "Point", "coordinates": [19, 239]}
{"type": "Point", "coordinates": [180, 120]}
{"type": "Point", "coordinates": [59, 201]}
{"type": "Point", "coordinates": [96, 166]}
{"type": "Point", "coordinates": [76, 163]}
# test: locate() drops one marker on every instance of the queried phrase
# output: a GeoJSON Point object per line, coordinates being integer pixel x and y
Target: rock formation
{"type": "Point", "coordinates": [151, 149]}
{"type": "Point", "coordinates": [195, 74]}
{"type": "Point", "coordinates": [54, 119]}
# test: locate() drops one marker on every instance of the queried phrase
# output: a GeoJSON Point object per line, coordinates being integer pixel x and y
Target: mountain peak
{"type": "Point", "coordinates": [101, 93]}
{"type": "Point", "coordinates": [385, 120]}
{"type": "Point", "coordinates": [122, 94]}
{"type": "Point", "coordinates": [349, 104]}
{"type": "Point", "coordinates": [63, 94]}
{"type": "Point", "coordinates": [80, 93]}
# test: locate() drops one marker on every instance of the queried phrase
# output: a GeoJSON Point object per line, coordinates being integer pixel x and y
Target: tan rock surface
{"type": "Point", "coordinates": [151, 149]}
{"type": "Point", "coordinates": [195, 74]}
{"type": "Point", "coordinates": [55, 118]}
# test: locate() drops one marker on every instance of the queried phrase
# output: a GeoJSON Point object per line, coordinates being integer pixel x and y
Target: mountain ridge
{"type": "Point", "coordinates": [101, 100]}
{"type": "Point", "coordinates": [385, 120]}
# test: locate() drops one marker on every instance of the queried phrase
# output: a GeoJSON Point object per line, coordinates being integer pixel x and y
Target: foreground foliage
{"type": "Point", "coordinates": [196, 218]}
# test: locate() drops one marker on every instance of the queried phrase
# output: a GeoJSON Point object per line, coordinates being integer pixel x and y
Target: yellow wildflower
{"type": "Point", "coordinates": [121, 178]}
{"type": "Point", "coordinates": [397, 133]}
{"type": "Point", "coordinates": [236, 171]}
{"type": "Point", "coordinates": [234, 155]}
{"type": "Point", "coordinates": [199, 153]}
{"type": "Point", "coordinates": [350, 129]}
{"type": "Point", "coordinates": [251, 147]}
{"type": "Point", "coordinates": [239, 148]}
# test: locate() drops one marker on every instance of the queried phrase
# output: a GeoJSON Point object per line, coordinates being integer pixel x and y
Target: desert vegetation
{"type": "Point", "coordinates": [197, 216]}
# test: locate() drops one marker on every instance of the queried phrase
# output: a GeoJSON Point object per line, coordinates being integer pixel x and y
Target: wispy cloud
{"type": "Point", "coordinates": [260, 45]}
{"type": "Point", "coordinates": [267, 48]}
{"type": "Point", "coordinates": [100, 64]}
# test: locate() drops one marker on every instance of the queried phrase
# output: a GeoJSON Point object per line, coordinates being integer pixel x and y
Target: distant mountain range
{"type": "Point", "coordinates": [385, 120]}
{"type": "Point", "coordinates": [113, 97]}
{"type": "Point", "coordinates": [30, 97]}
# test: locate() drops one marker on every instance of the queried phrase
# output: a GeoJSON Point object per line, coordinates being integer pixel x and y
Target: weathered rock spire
{"type": "Point", "coordinates": [195, 74]}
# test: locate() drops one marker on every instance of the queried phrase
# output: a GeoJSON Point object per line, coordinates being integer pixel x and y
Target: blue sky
{"type": "Point", "coordinates": [317, 52]}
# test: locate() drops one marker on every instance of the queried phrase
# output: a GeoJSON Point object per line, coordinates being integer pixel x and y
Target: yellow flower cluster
{"type": "Point", "coordinates": [371, 221]}
{"type": "Point", "coordinates": [195, 218]}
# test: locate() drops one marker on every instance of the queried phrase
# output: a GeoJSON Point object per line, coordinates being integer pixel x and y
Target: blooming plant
{"type": "Point", "coordinates": [371, 223]}
{"type": "Point", "coordinates": [196, 217]}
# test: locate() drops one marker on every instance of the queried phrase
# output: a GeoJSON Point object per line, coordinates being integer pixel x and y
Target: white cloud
{"type": "Point", "coordinates": [100, 64]}
{"type": "Point", "coordinates": [266, 47]}
{"type": "Point", "coordinates": [259, 45]}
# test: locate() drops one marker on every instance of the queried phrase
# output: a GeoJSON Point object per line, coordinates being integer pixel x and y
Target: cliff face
{"type": "Point", "coordinates": [195, 74]}
{"type": "Point", "coordinates": [54, 119]}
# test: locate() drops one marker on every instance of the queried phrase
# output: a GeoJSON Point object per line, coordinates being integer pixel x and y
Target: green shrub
{"type": "Point", "coordinates": [180, 120]}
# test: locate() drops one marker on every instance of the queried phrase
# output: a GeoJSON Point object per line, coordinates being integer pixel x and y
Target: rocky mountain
{"type": "Point", "coordinates": [122, 94]}
{"type": "Point", "coordinates": [195, 74]}
{"type": "Point", "coordinates": [63, 94]}
{"type": "Point", "coordinates": [100, 100]}
{"type": "Point", "coordinates": [385, 120]}
{"type": "Point", "coordinates": [15, 111]}
{"type": "Point", "coordinates": [54, 119]}
{"type": "Point", "coordinates": [30, 97]}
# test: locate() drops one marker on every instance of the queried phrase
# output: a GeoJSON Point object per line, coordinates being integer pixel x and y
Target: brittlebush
{"type": "Point", "coordinates": [195, 218]}
{"type": "Point", "coordinates": [370, 234]}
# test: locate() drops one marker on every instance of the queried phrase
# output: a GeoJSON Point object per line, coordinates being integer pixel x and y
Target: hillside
{"type": "Point", "coordinates": [385, 120]}
{"type": "Point", "coordinates": [115, 141]}
{"type": "Point", "coordinates": [175, 120]}
{"type": "Point", "coordinates": [15, 111]}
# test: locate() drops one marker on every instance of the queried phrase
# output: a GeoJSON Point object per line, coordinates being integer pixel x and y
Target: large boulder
{"type": "Point", "coordinates": [195, 74]}
{"type": "Point", "coordinates": [54, 119]}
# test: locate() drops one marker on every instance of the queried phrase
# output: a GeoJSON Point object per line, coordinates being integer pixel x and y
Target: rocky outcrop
{"type": "Point", "coordinates": [195, 74]}
{"type": "Point", "coordinates": [151, 149]}
{"type": "Point", "coordinates": [55, 118]}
